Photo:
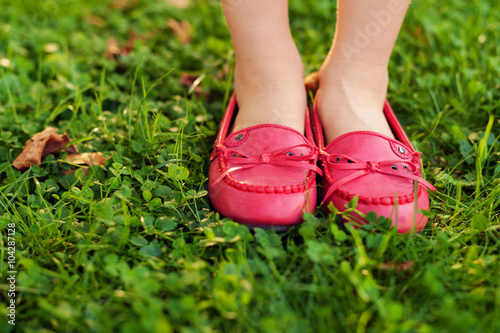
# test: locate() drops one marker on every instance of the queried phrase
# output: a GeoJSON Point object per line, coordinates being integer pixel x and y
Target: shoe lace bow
{"type": "Point", "coordinates": [279, 157]}
{"type": "Point", "coordinates": [410, 170]}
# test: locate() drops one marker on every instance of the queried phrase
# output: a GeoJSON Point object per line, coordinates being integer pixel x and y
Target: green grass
{"type": "Point", "coordinates": [136, 246]}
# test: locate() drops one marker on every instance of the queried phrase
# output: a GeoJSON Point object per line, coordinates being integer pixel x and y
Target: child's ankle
{"type": "Point", "coordinates": [351, 98]}
{"type": "Point", "coordinates": [270, 91]}
{"type": "Point", "coordinates": [364, 73]}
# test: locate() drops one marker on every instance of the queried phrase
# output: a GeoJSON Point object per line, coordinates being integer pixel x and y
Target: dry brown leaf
{"type": "Point", "coordinates": [124, 4]}
{"type": "Point", "coordinates": [396, 266]}
{"type": "Point", "coordinates": [311, 82]}
{"type": "Point", "coordinates": [129, 46]}
{"type": "Point", "coordinates": [119, 3]}
{"type": "Point", "coordinates": [40, 145]}
{"type": "Point", "coordinates": [96, 20]}
{"type": "Point", "coordinates": [86, 159]}
{"type": "Point", "coordinates": [187, 79]}
{"type": "Point", "coordinates": [112, 49]}
{"type": "Point", "coordinates": [180, 30]}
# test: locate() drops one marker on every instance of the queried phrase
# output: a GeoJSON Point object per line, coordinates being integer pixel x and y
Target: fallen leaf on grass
{"type": "Point", "coordinates": [114, 51]}
{"type": "Point", "coordinates": [129, 46]}
{"type": "Point", "coordinates": [87, 158]}
{"type": "Point", "coordinates": [40, 145]}
{"type": "Point", "coordinates": [187, 79]}
{"type": "Point", "coordinates": [180, 30]}
{"type": "Point", "coordinates": [84, 159]}
{"type": "Point", "coordinates": [395, 266]}
{"type": "Point", "coordinates": [95, 20]}
{"type": "Point", "coordinates": [124, 4]}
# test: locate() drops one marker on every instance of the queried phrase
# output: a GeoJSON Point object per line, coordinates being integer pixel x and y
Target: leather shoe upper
{"type": "Point", "coordinates": [385, 174]}
{"type": "Point", "coordinates": [263, 175]}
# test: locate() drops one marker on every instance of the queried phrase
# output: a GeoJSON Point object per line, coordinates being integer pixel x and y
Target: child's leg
{"type": "Point", "coordinates": [269, 72]}
{"type": "Point", "coordinates": [354, 78]}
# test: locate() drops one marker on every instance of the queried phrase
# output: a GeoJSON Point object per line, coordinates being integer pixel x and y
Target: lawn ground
{"type": "Point", "coordinates": [136, 247]}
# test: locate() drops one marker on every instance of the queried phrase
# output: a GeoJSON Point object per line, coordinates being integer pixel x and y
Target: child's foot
{"type": "Point", "coordinates": [270, 91]}
{"type": "Point", "coordinates": [351, 98]}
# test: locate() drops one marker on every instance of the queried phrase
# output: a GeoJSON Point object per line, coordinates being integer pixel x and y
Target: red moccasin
{"type": "Point", "coordinates": [379, 170]}
{"type": "Point", "coordinates": [265, 175]}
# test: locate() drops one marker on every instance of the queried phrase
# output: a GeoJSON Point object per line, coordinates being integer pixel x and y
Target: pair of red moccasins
{"type": "Point", "coordinates": [265, 176]}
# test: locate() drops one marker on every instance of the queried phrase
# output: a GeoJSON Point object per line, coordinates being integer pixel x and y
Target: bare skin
{"type": "Point", "coordinates": [353, 77]}
{"type": "Point", "coordinates": [269, 71]}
